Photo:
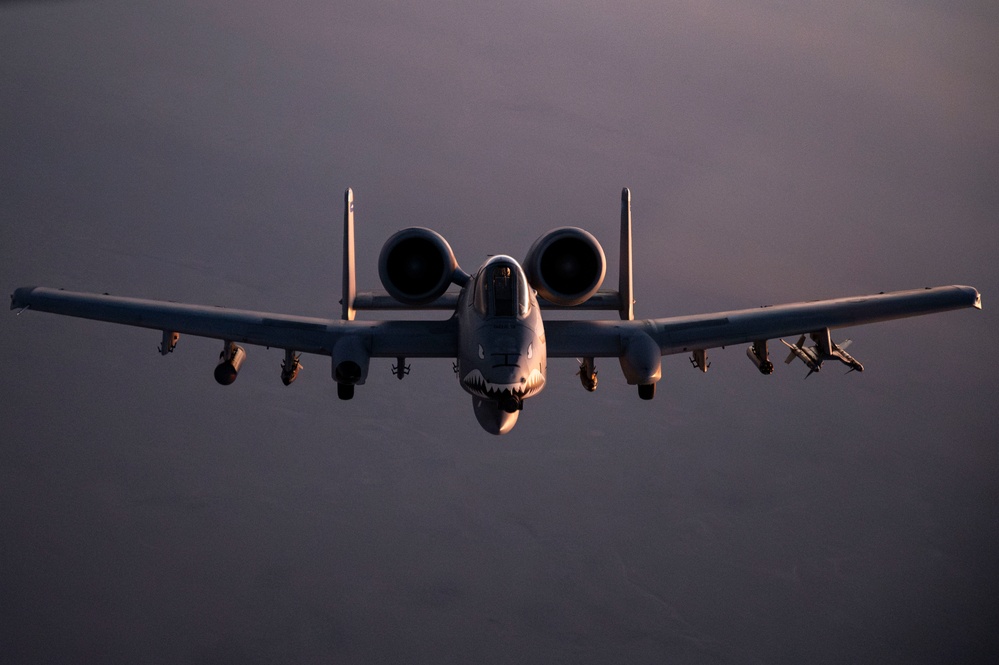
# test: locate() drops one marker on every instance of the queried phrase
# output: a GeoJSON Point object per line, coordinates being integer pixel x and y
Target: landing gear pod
{"type": "Point", "coordinates": [350, 365]}
{"type": "Point", "coordinates": [416, 266]}
{"type": "Point", "coordinates": [566, 265]}
{"type": "Point", "coordinates": [231, 359]}
{"type": "Point", "coordinates": [641, 363]}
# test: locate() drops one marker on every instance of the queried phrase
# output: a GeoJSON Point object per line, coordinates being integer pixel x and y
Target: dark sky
{"type": "Point", "coordinates": [198, 151]}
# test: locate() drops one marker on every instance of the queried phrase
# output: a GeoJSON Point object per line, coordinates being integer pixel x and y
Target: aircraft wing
{"type": "Point", "coordinates": [574, 339]}
{"type": "Point", "coordinates": [385, 339]}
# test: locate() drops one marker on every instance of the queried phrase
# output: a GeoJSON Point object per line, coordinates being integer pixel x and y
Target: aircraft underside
{"type": "Point", "coordinates": [495, 333]}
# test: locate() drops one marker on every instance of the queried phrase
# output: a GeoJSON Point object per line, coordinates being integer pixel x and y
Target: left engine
{"type": "Point", "coordinates": [416, 266]}
{"type": "Point", "coordinates": [566, 266]}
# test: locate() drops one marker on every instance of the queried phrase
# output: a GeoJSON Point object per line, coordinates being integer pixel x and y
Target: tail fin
{"type": "Point", "coordinates": [349, 285]}
{"type": "Point", "coordinates": [625, 282]}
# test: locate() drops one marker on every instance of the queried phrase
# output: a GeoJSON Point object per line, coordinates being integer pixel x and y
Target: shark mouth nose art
{"type": "Point", "coordinates": [530, 385]}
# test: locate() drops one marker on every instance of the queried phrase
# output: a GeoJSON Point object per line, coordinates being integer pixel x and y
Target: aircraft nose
{"type": "Point", "coordinates": [493, 419]}
{"type": "Point", "coordinates": [510, 403]}
{"type": "Point", "coordinates": [507, 375]}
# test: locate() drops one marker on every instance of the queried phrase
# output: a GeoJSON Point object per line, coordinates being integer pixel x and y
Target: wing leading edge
{"type": "Point", "coordinates": [683, 334]}
{"type": "Point", "coordinates": [381, 339]}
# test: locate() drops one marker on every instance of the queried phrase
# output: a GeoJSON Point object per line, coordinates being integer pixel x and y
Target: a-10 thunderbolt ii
{"type": "Point", "coordinates": [496, 333]}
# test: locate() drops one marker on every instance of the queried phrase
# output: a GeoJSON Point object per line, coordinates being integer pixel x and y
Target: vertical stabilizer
{"type": "Point", "coordinates": [625, 284]}
{"type": "Point", "coordinates": [349, 287]}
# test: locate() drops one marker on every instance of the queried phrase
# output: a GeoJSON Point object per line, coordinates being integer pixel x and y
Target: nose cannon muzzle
{"type": "Point", "coordinates": [511, 403]}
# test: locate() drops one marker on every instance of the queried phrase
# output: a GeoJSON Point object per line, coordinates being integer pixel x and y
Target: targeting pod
{"type": "Point", "coordinates": [231, 359]}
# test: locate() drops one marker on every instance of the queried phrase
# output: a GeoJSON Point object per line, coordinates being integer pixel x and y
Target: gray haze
{"type": "Point", "coordinates": [198, 151]}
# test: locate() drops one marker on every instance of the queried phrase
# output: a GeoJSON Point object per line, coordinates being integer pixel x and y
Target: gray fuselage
{"type": "Point", "coordinates": [501, 343]}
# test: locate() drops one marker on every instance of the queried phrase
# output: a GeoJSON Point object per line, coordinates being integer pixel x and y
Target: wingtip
{"type": "Point", "coordinates": [19, 299]}
{"type": "Point", "coordinates": [974, 298]}
{"type": "Point", "coordinates": [978, 298]}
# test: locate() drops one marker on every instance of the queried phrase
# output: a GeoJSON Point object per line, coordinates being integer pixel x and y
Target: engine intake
{"type": "Point", "coordinates": [416, 266]}
{"type": "Point", "coordinates": [566, 266]}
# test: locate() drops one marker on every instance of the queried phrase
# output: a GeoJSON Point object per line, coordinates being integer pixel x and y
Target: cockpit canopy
{"type": "Point", "coordinates": [501, 288]}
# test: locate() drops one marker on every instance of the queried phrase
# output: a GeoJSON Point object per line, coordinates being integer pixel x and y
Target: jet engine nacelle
{"type": "Point", "coordinates": [566, 265]}
{"type": "Point", "coordinates": [416, 266]}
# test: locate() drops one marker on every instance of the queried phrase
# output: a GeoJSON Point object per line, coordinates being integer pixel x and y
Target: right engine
{"type": "Point", "coordinates": [566, 266]}
{"type": "Point", "coordinates": [416, 266]}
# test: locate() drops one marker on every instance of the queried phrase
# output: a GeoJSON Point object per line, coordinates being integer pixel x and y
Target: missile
{"type": "Point", "coordinates": [588, 374]}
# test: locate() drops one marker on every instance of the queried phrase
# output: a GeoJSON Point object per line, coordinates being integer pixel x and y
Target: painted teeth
{"type": "Point", "coordinates": [477, 385]}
